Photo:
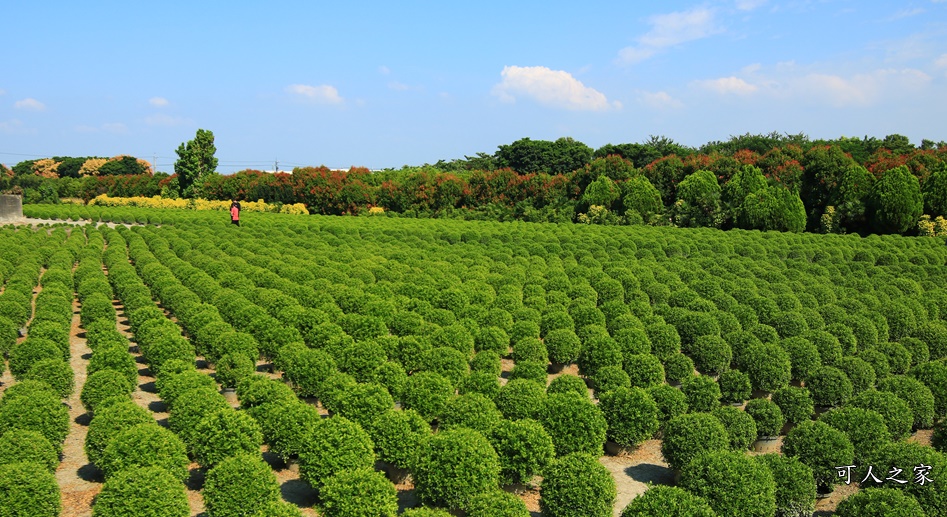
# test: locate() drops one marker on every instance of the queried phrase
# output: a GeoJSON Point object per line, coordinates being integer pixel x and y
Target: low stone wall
{"type": "Point", "coordinates": [11, 208]}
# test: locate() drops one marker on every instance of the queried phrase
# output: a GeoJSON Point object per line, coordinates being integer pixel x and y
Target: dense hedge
{"type": "Point", "coordinates": [335, 444]}
{"type": "Point", "coordinates": [822, 448]}
{"type": "Point", "coordinates": [454, 467]}
{"type": "Point", "coordinates": [142, 491]}
{"type": "Point", "coordinates": [239, 484]}
{"type": "Point", "coordinates": [24, 446]}
{"type": "Point", "coordinates": [360, 492]}
{"type": "Point", "coordinates": [524, 449]}
{"type": "Point", "coordinates": [732, 483]}
{"type": "Point", "coordinates": [577, 485]}
{"type": "Point", "coordinates": [39, 411]}
{"type": "Point", "coordinates": [795, 485]}
{"type": "Point", "coordinates": [574, 423]}
{"type": "Point", "coordinates": [145, 445]}
{"type": "Point", "coordinates": [28, 489]}
{"type": "Point", "coordinates": [687, 436]}
{"type": "Point", "coordinates": [225, 433]}
{"type": "Point", "coordinates": [109, 422]}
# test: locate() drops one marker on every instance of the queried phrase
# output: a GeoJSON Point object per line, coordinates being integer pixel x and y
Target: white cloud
{"type": "Point", "coordinates": [161, 119]}
{"type": "Point", "coordinates": [941, 61]}
{"type": "Point", "coordinates": [555, 88]}
{"type": "Point", "coordinates": [159, 102]}
{"type": "Point", "coordinates": [727, 85]}
{"type": "Point", "coordinates": [659, 100]}
{"type": "Point", "coordinates": [907, 13]}
{"type": "Point", "coordinates": [29, 104]}
{"type": "Point", "coordinates": [323, 94]}
{"type": "Point", "coordinates": [668, 30]}
{"type": "Point", "coordinates": [384, 70]}
{"type": "Point", "coordinates": [749, 5]}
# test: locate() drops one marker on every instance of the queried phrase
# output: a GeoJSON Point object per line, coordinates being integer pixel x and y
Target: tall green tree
{"type": "Point", "coordinates": [896, 202]}
{"type": "Point", "coordinates": [195, 162]}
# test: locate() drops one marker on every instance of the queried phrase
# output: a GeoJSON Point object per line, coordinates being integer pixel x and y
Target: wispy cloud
{"type": "Point", "coordinates": [322, 94]}
{"type": "Point", "coordinates": [398, 86]}
{"type": "Point", "coordinates": [668, 30]}
{"type": "Point", "coordinates": [384, 70]}
{"type": "Point", "coordinates": [30, 104]}
{"type": "Point", "coordinates": [907, 13]}
{"type": "Point", "coordinates": [158, 102]}
{"type": "Point", "coordinates": [658, 100]}
{"type": "Point", "coordinates": [555, 88]}
{"type": "Point", "coordinates": [749, 5]}
{"type": "Point", "coordinates": [941, 62]}
{"type": "Point", "coordinates": [727, 86]}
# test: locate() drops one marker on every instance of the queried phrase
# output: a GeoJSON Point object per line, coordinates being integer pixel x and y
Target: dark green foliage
{"type": "Point", "coordinates": [678, 368]}
{"type": "Point", "coordinates": [577, 485]}
{"type": "Point", "coordinates": [397, 435]}
{"type": "Point", "coordinates": [497, 503]}
{"type": "Point", "coordinates": [25, 446]}
{"type": "Point", "coordinates": [427, 393]}
{"type": "Point", "coordinates": [732, 483]}
{"type": "Point", "coordinates": [895, 203]}
{"type": "Point", "coordinates": [29, 352]}
{"type": "Point", "coordinates": [55, 372]}
{"type": "Point", "coordinates": [28, 489]}
{"type": "Point", "coordinates": [795, 403]}
{"type": "Point", "coordinates": [667, 501]}
{"type": "Point", "coordinates": [145, 445]}
{"type": "Point", "coordinates": [702, 392]}
{"type": "Point", "coordinates": [233, 368]}
{"type": "Point", "coordinates": [360, 492]}
{"type": "Point", "coordinates": [859, 373]}
{"type": "Point", "coordinates": [795, 485]}
{"type": "Point", "coordinates": [336, 444]}
{"type": "Point", "coordinates": [934, 376]}
{"type": "Point", "coordinates": [898, 416]}
{"type": "Point", "coordinates": [609, 378]}
{"type": "Point", "coordinates": [631, 415]}
{"type": "Point", "coordinates": [8, 334]}
{"type": "Point", "coordinates": [574, 423]}
{"type": "Point", "coordinates": [521, 398]}
{"type": "Point", "coordinates": [599, 352]}
{"type": "Point", "coordinates": [665, 341]}
{"type": "Point", "coordinates": [38, 411]}
{"type": "Point", "coordinates": [172, 385]}
{"type": "Point", "coordinates": [225, 433]}
{"type": "Point", "coordinates": [830, 387]}
{"type": "Point", "coordinates": [768, 366]}
{"type": "Point", "coordinates": [687, 436]}
{"type": "Point", "coordinates": [899, 357]}
{"type": "Point", "coordinates": [644, 370]}
{"type": "Point", "coordinates": [740, 426]}
{"type": "Point", "coordinates": [918, 397]}
{"type": "Point", "coordinates": [239, 485]}
{"type": "Point", "coordinates": [711, 354]}
{"type": "Point", "coordinates": [669, 400]}
{"type": "Point", "coordinates": [821, 447]}
{"type": "Point", "coordinates": [734, 386]}
{"type": "Point", "coordinates": [769, 418]}
{"type": "Point", "coordinates": [191, 407]}
{"type": "Point", "coordinates": [879, 501]}
{"type": "Point", "coordinates": [567, 383]}
{"type": "Point", "coordinates": [151, 491]}
{"type": "Point", "coordinates": [454, 467]}
{"type": "Point", "coordinates": [931, 495]}
{"type": "Point", "coordinates": [286, 425]}
{"type": "Point", "coordinates": [934, 335]}
{"type": "Point", "coordinates": [864, 428]}
{"type": "Point", "coordinates": [803, 355]}
{"type": "Point", "coordinates": [698, 201]}
{"type": "Point", "coordinates": [524, 449]}
{"type": "Point", "coordinates": [109, 422]}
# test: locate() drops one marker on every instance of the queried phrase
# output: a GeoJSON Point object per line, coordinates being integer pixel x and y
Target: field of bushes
{"type": "Point", "coordinates": [474, 360]}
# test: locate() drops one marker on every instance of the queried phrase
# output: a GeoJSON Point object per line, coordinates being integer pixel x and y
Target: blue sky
{"type": "Point", "coordinates": [384, 84]}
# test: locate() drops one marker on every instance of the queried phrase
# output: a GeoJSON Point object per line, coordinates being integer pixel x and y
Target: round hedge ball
{"type": "Point", "coordinates": [567, 383]}
{"type": "Point", "coordinates": [678, 368]}
{"type": "Point", "coordinates": [102, 385]}
{"type": "Point", "coordinates": [879, 501]}
{"type": "Point", "coordinates": [897, 414]}
{"type": "Point", "coordinates": [145, 445]}
{"type": "Point", "coordinates": [286, 425]}
{"type": "Point", "coordinates": [524, 449]}
{"type": "Point", "coordinates": [521, 398]}
{"type": "Point", "coordinates": [473, 411]}
{"type": "Point", "coordinates": [239, 484]}
{"type": "Point", "coordinates": [397, 435]}
{"type": "Point", "coordinates": [702, 392]}
{"type": "Point", "coordinates": [225, 433]}
{"type": "Point", "coordinates": [575, 424]}
{"type": "Point", "coordinates": [427, 393]}
{"type": "Point", "coordinates": [361, 492]}
{"type": "Point", "coordinates": [644, 370]}
{"type": "Point", "coordinates": [631, 415]}
{"type": "Point", "coordinates": [39, 411]}
{"type": "Point", "coordinates": [735, 386]}
{"type": "Point", "coordinates": [822, 448]}
{"type": "Point", "coordinates": [454, 467]}
{"type": "Point", "coordinates": [363, 402]}
{"type": "Point", "coordinates": [795, 485]}
{"type": "Point", "coordinates": [769, 418]}
{"type": "Point", "coordinates": [732, 483]}
{"type": "Point", "coordinates": [670, 401]}
{"type": "Point", "coordinates": [109, 422]}
{"type": "Point", "coordinates": [830, 387]}
{"type": "Point", "coordinates": [610, 378]}
{"type": "Point", "coordinates": [137, 491]}
{"type": "Point", "coordinates": [28, 489]}
{"type": "Point", "coordinates": [336, 444]}
{"type": "Point", "coordinates": [24, 446]}
{"type": "Point", "coordinates": [667, 501]}
{"type": "Point", "coordinates": [740, 426]}
{"type": "Point", "coordinates": [233, 368]}
{"type": "Point", "coordinates": [497, 503]}
{"type": "Point", "coordinates": [27, 353]}
{"type": "Point", "coordinates": [689, 435]}
{"type": "Point", "coordinates": [55, 372]}
{"type": "Point", "coordinates": [577, 485]}
{"type": "Point", "coordinates": [795, 403]}
{"type": "Point", "coordinates": [918, 397]}
{"type": "Point", "coordinates": [563, 346]}
{"type": "Point", "coordinates": [172, 385]}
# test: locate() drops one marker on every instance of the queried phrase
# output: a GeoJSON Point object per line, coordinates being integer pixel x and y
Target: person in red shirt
{"type": "Point", "coordinates": [234, 212]}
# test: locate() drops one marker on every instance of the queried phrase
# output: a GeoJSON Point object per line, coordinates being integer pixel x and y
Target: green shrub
{"type": "Point", "coordinates": [859, 372]}
{"type": "Point", "coordinates": [530, 370]}
{"type": "Point", "coordinates": [610, 378]}
{"type": "Point", "coordinates": [669, 400]}
{"type": "Point", "coordinates": [473, 411]}
{"type": "Point", "coordinates": [142, 491]}
{"type": "Point", "coordinates": [427, 393]}
{"type": "Point", "coordinates": [167, 348]}
{"type": "Point", "coordinates": [768, 366]}
{"type": "Point", "coordinates": [731, 483]}
{"type": "Point", "coordinates": [567, 383]}
{"type": "Point", "coordinates": [397, 435]}
{"type": "Point", "coordinates": [740, 426]}
{"type": "Point", "coordinates": [897, 415]}
{"type": "Point", "coordinates": [425, 512]}
{"type": "Point", "coordinates": [102, 385]}
{"type": "Point", "coordinates": [486, 361]}
{"type": "Point", "coordinates": [360, 492]}
{"type": "Point", "coordinates": [232, 368]}
{"type": "Point", "coordinates": [447, 362]}
{"type": "Point", "coordinates": [530, 349]}
{"type": "Point", "coordinates": [577, 485]}
{"type": "Point", "coordinates": [769, 418]}
{"type": "Point", "coordinates": [521, 398]}
{"type": "Point", "coordinates": [795, 403]}
{"type": "Point", "coordinates": [631, 415]}
{"type": "Point", "coordinates": [795, 485]}
{"type": "Point", "coordinates": [278, 508]}
{"type": "Point", "coordinates": [190, 408]}
{"type": "Point", "coordinates": [145, 445]}
{"type": "Point", "coordinates": [524, 449]}
{"type": "Point", "coordinates": [24, 446]}
{"type": "Point", "coordinates": [286, 425]}
{"type": "Point", "coordinates": [678, 368]}
{"type": "Point", "coordinates": [172, 385]}
{"type": "Point", "coordinates": [906, 456]}
{"type": "Point", "coordinates": [702, 392]}
{"type": "Point", "coordinates": [574, 423]}
{"type": "Point", "coordinates": [114, 357]}
{"type": "Point", "coordinates": [360, 360]}
{"type": "Point", "coordinates": [899, 358]}
{"type": "Point", "coordinates": [109, 422]}
{"type": "Point", "coordinates": [934, 376]}
{"type": "Point", "coordinates": [864, 428]}
{"type": "Point", "coordinates": [96, 306]}
{"type": "Point", "coordinates": [309, 370]}
{"type": "Point", "coordinates": [36, 410]}
{"type": "Point", "coordinates": [495, 339]}
{"type": "Point", "coordinates": [223, 434]}
{"type": "Point", "coordinates": [8, 335]}
{"type": "Point", "coordinates": [599, 352]}
{"type": "Point", "coordinates": [392, 376]}
{"type": "Point", "coordinates": [665, 341]}
{"type": "Point", "coordinates": [28, 489]}
{"type": "Point", "coordinates": [821, 447]}
{"type": "Point", "coordinates": [29, 352]}
{"type": "Point", "coordinates": [879, 501]}
{"type": "Point", "coordinates": [918, 349]}
{"type": "Point", "coordinates": [336, 444]}
{"type": "Point", "coordinates": [483, 383]}
{"type": "Point", "coordinates": [644, 370]}
{"type": "Point", "coordinates": [918, 397]}
{"type": "Point", "coordinates": [238, 485]}
{"type": "Point", "coordinates": [55, 372]}
{"type": "Point", "coordinates": [710, 353]}
{"type": "Point", "coordinates": [497, 503]}
{"type": "Point", "coordinates": [687, 436]}
{"type": "Point", "coordinates": [669, 501]}
{"type": "Point", "coordinates": [734, 386]}
{"type": "Point", "coordinates": [803, 355]}
{"type": "Point", "coordinates": [454, 467]}
{"type": "Point", "coordinates": [830, 387]}
{"type": "Point", "coordinates": [259, 389]}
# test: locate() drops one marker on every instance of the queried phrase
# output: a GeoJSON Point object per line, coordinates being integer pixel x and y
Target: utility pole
{"type": "Point", "coordinates": [276, 166]}
{"type": "Point", "coordinates": [154, 163]}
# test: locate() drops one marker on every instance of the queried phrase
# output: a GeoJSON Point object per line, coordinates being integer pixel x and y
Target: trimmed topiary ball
{"type": "Point", "coordinates": [55, 372]}
{"type": "Point", "coordinates": [795, 485]}
{"type": "Point", "coordinates": [145, 445]}
{"type": "Point", "coordinates": [830, 387]}
{"type": "Point", "coordinates": [768, 366]}
{"type": "Point", "coordinates": [225, 433]}
{"type": "Point", "coordinates": [191, 407]}
{"type": "Point", "coordinates": [521, 398]}
{"type": "Point", "coordinates": [362, 403]}
{"type": "Point", "coordinates": [711, 354]}
{"type": "Point", "coordinates": [102, 385]}
{"type": "Point", "coordinates": [803, 355]}
{"type": "Point", "coordinates": [863, 427]}
{"type": "Point", "coordinates": [530, 370]}
{"type": "Point", "coordinates": [29, 352]}
{"type": "Point", "coordinates": [631, 415]}
{"type": "Point", "coordinates": [454, 467]}
{"type": "Point", "coordinates": [233, 368]}
{"type": "Point", "coordinates": [689, 435]}
{"type": "Point", "coordinates": [136, 491]}
{"type": "Point", "coordinates": [858, 371]}
{"type": "Point", "coordinates": [822, 448]}
{"type": "Point", "coordinates": [397, 435]}
{"type": "Point", "coordinates": [577, 485]}
{"type": "Point", "coordinates": [795, 403]}
{"type": "Point", "coordinates": [567, 383]}
{"type": "Point", "coordinates": [669, 400]}
{"type": "Point", "coordinates": [644, 370]}
{"type": "Point", "coordinates": [870, 502]}
{"type": "Point", "coordinates": [497, 503]}
{"type": "Point", "coordinates": [239, 484]}
{"type": "Point", "coordinates": [908, 455]}
{"type": "Point", "coordinates": [575, 424]}
{"type": "Point", "coordinates": [897, 414]}
{"type": "Point", "coordinates": [286, 425]}
{"type": "Point", "coordinates": [667, 501]}
{"type": "Point", "coordinates": [109, 422]}
{"type": "Point", "coordinates": [38, 411]}
{"type": "Point", "coordinates": [28, 489]}
{"type": "Point", "coordinates": [769, 418]}
{"type": "Point", "coordinates": [610, 378]}
{"type": "Point", "coordinates": [427, 393]}
{"type": "Point", "coordinates": [734, 386]}
{"type": "Point", "coordinates": [361, 492]}
{"type": "Point", "coordinates": [563, 346]}
{"type": "Point", "coordinates": [24, 446]}
{"type": "Point", "coordinates": [114, 357]}
{"type": "Point", "coordinates": [473, 411]}
{"type": "Point", "coordinates": [259, 389]}
{"type": "Point", "coordinates": [732, 483]}
{"type": "Point", "coordinates": [918, 397]}
{"type": "Point", "coordinates": [678, 368]}
{"type": "Point", "coordinates": [740, 426]}
{"type": "Point", "coordinates": [702, 392]}
{"type": "Point", "coordinates": [336, 444]}
{"type": "Point", "coordinates": [486, 361]}
{"type": "Point", "coordinates": [524, 449]}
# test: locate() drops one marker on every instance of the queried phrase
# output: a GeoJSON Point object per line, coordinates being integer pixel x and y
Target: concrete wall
{"type": "Point", "coordinates": [11, 208]}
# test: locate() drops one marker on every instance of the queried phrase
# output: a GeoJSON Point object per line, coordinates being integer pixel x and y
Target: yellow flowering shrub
{"type": "Point", "coordinates": [197, 204]}
{"type": "Point", "coordinates": [376, 210]}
